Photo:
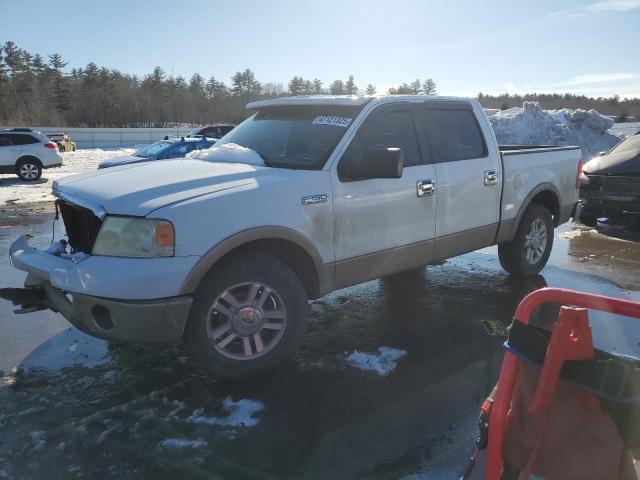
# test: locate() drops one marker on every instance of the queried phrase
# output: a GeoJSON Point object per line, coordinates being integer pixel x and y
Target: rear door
{"type": "Point", "coordinates": [468, 174]}
{"type": "Point", "coordinates": [384, 225]}
{"type": "Point", "coordinates": [8, 151]}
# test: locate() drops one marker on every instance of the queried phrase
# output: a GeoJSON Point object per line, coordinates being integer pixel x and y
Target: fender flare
{"type": "Point", "coordinates": [508, 229]}
{"type": "Point", "coordinates": [210, 258]}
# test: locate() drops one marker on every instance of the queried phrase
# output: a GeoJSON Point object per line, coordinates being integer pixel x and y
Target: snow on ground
{"type": "Point", "coordinates": [182, 443]}
{"type": "Point", "coordinates": [383, 363]}
{"type": "Point", "coordinates": [530, 125]}
{"type": "Point", "coordinates": [13, 190]}
{"type": "Point", "coordinates": [240, 414]}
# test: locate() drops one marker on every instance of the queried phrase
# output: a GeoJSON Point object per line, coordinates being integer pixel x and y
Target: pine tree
{"type": "Point", "coordinates": [370, 90]}
{"type": "Point", "coordinates": [317, 86]}
{"type": "Point", "coordinates": [60, 88]}
{"type": "Point", "coordinates": [429, 87]}
{"type": "Point", "coordinates": [337, 88]}
{"type": "Point", "coordinates": [350, 86]}
{"type": "Point", "coordinates": [296, 85]}
{"type": "Point", "coordinates": [416, 87]}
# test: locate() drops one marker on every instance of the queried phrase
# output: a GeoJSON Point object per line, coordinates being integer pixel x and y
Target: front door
{"type": "Point", "coordinates": [383, 226]}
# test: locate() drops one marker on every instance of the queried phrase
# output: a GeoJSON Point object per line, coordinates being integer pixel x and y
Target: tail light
{"type": "Point", "coordinates": [580, 177]}
{"type": "Point", "coordinates": [51, 145]}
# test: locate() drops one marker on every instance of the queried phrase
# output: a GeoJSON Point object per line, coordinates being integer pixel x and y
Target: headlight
{"type": "Point", "coordinates": [135, 237]}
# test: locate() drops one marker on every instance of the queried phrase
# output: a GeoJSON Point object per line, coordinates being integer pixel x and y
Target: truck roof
{"type": "Point", "coordinates": [346, 100]}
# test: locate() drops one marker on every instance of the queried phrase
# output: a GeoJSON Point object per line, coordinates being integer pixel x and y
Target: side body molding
{"type": "Point", "coordinates": [324, 272]}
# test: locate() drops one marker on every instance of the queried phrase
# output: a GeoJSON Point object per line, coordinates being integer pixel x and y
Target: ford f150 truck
{"type": "Point", "coordinates": [223, 250]}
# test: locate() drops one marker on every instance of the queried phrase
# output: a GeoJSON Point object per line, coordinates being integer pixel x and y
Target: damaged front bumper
{"type": "Point", "coordinates": [67, 286]}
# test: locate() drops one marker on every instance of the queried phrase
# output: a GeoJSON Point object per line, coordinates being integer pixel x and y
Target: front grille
{"type": "Point", "coordinates": [81, 224]}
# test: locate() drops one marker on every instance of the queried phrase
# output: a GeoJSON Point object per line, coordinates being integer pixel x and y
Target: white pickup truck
{"type": "Point", "coordinates": [307, 196]}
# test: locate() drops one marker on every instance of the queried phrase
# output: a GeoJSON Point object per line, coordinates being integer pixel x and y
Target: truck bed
{"type": "Point", "coordinates": [527, 168]}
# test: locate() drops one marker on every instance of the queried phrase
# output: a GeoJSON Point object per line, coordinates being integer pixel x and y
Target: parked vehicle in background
{"type": "Point", "coordinates": [612, 185]}
{"type": "Point", "coordinates": [213, 131]}
{"type": "Point", "coordinates": [65, 144]}
{"type": "Point", "coordinates": [307, 196]}
{"type": "Point", "coordinates": [25, 153]}
{"type": "Point", "coordinates": [162, 150]}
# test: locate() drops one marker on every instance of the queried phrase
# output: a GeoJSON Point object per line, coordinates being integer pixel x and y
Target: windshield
{"type": "Point", "coordinates": [298, 137]}
{"type": "Point", "coordinates": [631, 143]}
{"type": "Point", "coordinates": [153, 150]}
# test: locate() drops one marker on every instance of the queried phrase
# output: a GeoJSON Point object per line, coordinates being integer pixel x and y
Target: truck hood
{"type": "Point", "coordinates": [140, 188]}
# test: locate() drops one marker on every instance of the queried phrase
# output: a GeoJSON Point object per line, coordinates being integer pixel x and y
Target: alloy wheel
{"type": "Point", "coordinates": [246, 321]}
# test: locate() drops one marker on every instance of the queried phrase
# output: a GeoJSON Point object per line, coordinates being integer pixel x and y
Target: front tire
{"type": "Point", "coordinates": [529, 251]}
{"type": "Point", "coordinates": [249, 314]}
{"type": "Point", "coordinates": [28, 170]}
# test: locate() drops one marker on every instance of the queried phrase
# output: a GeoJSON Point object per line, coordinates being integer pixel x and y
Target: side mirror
{"type": "Point", "coordinates": [373, 163]}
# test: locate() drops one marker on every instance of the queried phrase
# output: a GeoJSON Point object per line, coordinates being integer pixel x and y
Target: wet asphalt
{"type": "Point", "coordinates": [73, 407]}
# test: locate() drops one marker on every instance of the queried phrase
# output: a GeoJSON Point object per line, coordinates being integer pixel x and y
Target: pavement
{"type": "Point", "coordinates": [71, 406]}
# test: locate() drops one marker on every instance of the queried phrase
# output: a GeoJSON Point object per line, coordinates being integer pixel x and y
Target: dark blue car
{"type": "Point", "coordinates": [162, 150]}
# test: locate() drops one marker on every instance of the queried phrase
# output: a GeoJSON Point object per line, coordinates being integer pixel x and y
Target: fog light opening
{"type": "Point", "coordinates": [102, 317]}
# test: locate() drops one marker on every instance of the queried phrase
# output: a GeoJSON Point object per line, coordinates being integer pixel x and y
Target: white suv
{"type": "Point", "coordinates": [25, 153]}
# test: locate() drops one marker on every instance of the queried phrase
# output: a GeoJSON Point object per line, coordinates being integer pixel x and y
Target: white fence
{"type": "Point", "coordinates": [114, 137]}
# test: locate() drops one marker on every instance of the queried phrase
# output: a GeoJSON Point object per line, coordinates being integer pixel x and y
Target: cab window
{"type": "Point", "coordinates": [386, 128]}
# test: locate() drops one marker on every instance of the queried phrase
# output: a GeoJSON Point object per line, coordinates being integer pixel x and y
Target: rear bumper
{"type": "Point", "coordinates": [53, 165]}
{"type": "Point", "coordinates": [69, 286]}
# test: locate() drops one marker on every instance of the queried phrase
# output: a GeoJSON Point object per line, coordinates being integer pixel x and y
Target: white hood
{"type": "Point", "coordinates": [141, 188]}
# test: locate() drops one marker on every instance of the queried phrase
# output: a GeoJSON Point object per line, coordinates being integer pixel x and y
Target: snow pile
{"type": "Point", "coordinates": [229, 153]}
{"type": "Point", "coordinates": [531, 125]}
{"type": "Point", "coordinates": [13, 190]}
{"type": "Point", "coordinates": [240, 414]}
{"type": "Point", "coordinates": [383, 363]}
{"type": "Point", "coordinates": [182, 443]}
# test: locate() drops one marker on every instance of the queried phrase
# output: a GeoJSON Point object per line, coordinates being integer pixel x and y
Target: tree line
{"type": "Point", "coordinates": [35, 90]}
{"type": "Point", "coordinates": [622, 108]}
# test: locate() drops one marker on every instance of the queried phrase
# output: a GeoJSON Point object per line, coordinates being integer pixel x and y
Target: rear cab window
{"type": "Point", "coordinates": [453, 132]}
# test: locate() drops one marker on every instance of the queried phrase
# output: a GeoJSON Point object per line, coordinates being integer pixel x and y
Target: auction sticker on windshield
{"type": "Point", "coordinates": [332, 120]}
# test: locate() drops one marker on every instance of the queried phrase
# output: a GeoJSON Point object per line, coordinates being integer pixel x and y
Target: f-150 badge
{"type": "Point", "coordinates": [313, 199]}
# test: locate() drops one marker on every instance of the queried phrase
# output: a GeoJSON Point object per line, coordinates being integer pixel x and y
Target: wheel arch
{"type": "Point", "coordinates": [284, 244]}
{"type": "Point", "coordinates": [27, 157]}
{"type": "Point", "coordinates": [545, 194]}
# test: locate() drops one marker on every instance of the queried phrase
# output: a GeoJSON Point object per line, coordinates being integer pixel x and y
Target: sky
{"type": "Point", "coordinates": [466, 46]}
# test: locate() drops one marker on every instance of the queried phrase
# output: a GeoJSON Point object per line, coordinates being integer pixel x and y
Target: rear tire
{"type": "Point", "coordinates": [248, 315]}
{"type": "Point", "coordinates": [28, 169]}
{"type": "Point", "coordinates": [529, 251]}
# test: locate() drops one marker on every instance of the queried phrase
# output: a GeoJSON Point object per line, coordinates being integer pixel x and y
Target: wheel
{"type": "Point", "coordinates": [249, 314]}
{"type": "Point", "coordinates": [29, 169]}
{"type": "Point", "coordinates": [73, 149]}
{"type": "Point", "coordinates": [529, 251]}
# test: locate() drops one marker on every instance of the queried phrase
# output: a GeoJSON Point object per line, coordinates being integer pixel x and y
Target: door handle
{"type": "Point", "coordinates": [490, 177]}
{"type": "Point", "coordinates": [425, 188]}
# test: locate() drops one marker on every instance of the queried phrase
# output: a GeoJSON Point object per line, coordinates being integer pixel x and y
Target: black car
{"type": "Point", "coordinates": [613, 186]}
{"type": "Point", "coordinates": [212, 131]}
